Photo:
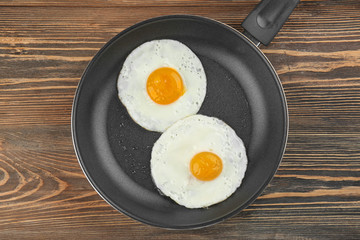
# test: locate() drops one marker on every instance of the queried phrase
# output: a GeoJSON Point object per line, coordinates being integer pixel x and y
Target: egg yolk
{"type": "Point", "coordinates": [165, 85]}
{"type": "Point", "coordinates": [206, 166]}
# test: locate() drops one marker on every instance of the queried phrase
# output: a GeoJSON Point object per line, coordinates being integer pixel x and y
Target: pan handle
{"type": "Point", "coordinates": [265, 21]}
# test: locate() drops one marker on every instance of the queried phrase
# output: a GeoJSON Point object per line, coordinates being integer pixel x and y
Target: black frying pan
{"type": "Point", "coordinates": [243, 90]}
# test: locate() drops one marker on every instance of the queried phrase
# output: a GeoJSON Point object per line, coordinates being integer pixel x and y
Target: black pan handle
{"type": "Point", "coordinates": [265, 21]}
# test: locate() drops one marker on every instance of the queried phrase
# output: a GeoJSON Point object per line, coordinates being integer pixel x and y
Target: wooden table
{"type": "Point", "coordinates": [46, 45]}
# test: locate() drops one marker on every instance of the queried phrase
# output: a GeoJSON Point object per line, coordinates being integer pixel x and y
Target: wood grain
{"type": "Point", "coordinates": [46, 45]}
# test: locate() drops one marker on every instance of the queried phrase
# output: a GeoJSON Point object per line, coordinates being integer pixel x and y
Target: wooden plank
{"type": "Point", "coordinates": [121, 3]}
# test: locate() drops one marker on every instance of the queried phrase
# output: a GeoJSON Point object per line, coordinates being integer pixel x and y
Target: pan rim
{"type": "Point", "coordinates": [139, 218]}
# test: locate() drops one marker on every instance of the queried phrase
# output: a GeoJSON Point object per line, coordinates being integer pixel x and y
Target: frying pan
{"type": "Point", "coordinates": [243, 90]}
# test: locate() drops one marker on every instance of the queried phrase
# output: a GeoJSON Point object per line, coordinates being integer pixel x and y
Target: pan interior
{"type": "Point", "coordinates": [242, 90]}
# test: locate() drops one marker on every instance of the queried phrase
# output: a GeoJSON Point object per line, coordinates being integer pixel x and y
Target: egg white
{"type": "Point", "coordinates": [173, 151]}
{"type": "Point", "coordinates": [140, 63]}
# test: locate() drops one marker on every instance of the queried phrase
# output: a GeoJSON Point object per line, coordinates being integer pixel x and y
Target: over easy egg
{"type": "Point", "coordinates": [199, 161]}
{"type": "Point", "coordinates": [161, 81]}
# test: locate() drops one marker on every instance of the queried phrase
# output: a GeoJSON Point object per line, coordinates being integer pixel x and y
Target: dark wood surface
{"type": "Point", "coordinates": [46, 45]}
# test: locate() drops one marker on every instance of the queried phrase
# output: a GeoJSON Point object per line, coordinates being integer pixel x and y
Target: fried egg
{"type": "Point", "coordinates": [199, 161]}
{"type": "Point", "coordinates": [161, 82]}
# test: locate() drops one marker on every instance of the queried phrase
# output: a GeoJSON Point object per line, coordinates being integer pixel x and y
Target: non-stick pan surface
{"type": "Point", "coordinates": [242, 89]}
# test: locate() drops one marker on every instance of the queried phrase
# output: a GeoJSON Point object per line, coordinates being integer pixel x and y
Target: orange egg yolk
{"type": "Point", "coordinates": [206, 166]}
{"type": "Point", "coordinates": [165, 85]}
